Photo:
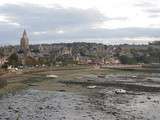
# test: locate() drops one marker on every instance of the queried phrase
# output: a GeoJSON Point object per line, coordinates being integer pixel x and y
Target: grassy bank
{"type": "Point", "coordinates": [36, 78]}
{"type": "Point", "coordinates": [12, 88]}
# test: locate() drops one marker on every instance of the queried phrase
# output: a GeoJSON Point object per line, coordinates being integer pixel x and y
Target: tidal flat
{"type": "Point", "coordinates": [33, 96]}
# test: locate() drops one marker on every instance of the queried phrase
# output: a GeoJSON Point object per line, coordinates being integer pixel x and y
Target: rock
{"type": "Point", "coordinates": [156, 101]}
{"type": "Point", "coordinates": [101, 76]}
{"type": "Point", "coordinates": [49, 107]}
{"type": "Point", "coordinates": [7, 118]}
{"type": "Point", "coordinates": [149, 98]}
{"type": "Point", "coordinates": [16, 110]}
{"type": "Point", "coordinates": [52, 76]}
{"type": "Point", "coordinates": [10, 108]}
{"type": "Point", "coordinates": [120, 91]}
{"type": "Point", "coordinates": [134, 76]}
{"type": "Point", "coordinates": [61, 90]}
{"type": "Point", "coordinates": [41, 108]}
{"type": "Point", "coordinates": [114, 113]}
{"type": "Point", "coordinates": [91, 87]}
{"type": "Point", "coordinates": [141, 101]}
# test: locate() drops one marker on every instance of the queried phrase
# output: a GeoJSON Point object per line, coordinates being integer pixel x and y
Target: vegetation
{"type": "Point", "coordinates": [13, 59]}
{"type": "Point", "coordinates": [148, 55]}
{"type": "Point", "coordinates": [4, 66]}
{"type": "Point", "coordinates": [1, 54]}
{"type": "Point", "coordinates": [155, 43]}
{"type": "Point", "coordinates": [127, 59]}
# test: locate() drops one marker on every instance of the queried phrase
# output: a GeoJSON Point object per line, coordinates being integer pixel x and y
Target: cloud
{"type": "Point", "coordinates": [145, 4]}
{"type": "Point", "coordinates": [153, 12]}
{"type": "Point", "coordinates": [152, 8]}
{"type": "Point", "coordinates": [114, 36]}
{"type": "Point", "coordinates": [60, 24]}
{"type": "Point", "coordinates": [41, 18]}
{"type": "Point", "coordinates": [109, 33]}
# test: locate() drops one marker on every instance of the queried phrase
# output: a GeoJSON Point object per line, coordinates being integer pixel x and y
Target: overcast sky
{"type": "Point", "coordinates": [104, 21]}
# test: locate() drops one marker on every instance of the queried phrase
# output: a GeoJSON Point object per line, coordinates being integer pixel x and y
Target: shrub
{"type": "Point", "coordinates": [127, 60]}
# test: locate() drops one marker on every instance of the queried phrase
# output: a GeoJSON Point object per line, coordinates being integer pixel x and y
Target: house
{"type": "Point", "coordinates": [3, 60]}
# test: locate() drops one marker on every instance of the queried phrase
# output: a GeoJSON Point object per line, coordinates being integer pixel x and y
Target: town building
{"type": "Point", "coordinates": [3, 60]}
{"type": "Point", "coordinates": [24, 42]}
{"type": "Point", "coordinates": [24, 50]}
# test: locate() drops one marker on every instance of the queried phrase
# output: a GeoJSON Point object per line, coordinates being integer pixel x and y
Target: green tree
{"type": "Point", "coordinates": [13, 59]}
{"type": "Point", "coordinates": [127, 60]}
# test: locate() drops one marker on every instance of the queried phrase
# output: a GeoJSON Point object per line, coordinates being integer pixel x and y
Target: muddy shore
{"type": "Point", "coordinates": [69, 98]}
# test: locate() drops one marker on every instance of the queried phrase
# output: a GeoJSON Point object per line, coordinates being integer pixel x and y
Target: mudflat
{"type": "Point", "coordinates": [68, 96]}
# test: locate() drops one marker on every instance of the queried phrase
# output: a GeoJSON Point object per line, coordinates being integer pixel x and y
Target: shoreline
{"type": "Point", "coordinates": [68, 95]}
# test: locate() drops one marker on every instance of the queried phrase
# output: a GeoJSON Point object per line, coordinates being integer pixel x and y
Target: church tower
{"type": "Point", "coordinates": [24, 43]}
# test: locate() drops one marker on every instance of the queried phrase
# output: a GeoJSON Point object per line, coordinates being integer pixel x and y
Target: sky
{"type": "Point", "coordinates": [101, 21]}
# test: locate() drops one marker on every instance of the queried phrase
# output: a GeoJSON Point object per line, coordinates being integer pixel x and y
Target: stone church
{"type": "Point", "coordinates": [24, 50]}
{"type": "Point", "coordinates": [24, 42]}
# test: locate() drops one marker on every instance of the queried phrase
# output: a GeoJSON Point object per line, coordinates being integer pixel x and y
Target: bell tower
{"type": "Point", "coordinates": [24, 43]}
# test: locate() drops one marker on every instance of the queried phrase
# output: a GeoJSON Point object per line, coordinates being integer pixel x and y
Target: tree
{"type": "Point", "coordinates": [1, 54]}
{"type": "Point", "coordinates": [127, 60]}
{"type": "Point", "coordinates": [13, 59]}
{"type": "Point", "coordinates": [4, 66]}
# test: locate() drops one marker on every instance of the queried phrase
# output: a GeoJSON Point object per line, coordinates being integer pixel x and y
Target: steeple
{"type": "Point", "coordinates": [24, 43]}
{"type": "Point", "coordinates": [24, 33]}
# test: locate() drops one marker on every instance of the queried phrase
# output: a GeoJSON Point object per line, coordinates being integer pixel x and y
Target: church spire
{"type": "Point", "coordinates": [24, 33]}
{"type": "Point", "coordinates": [24, 41]}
